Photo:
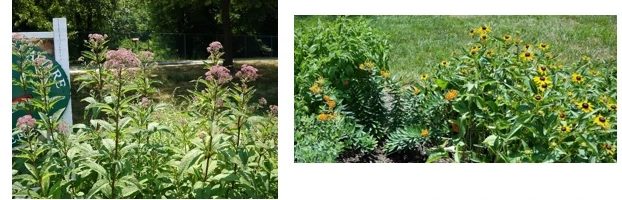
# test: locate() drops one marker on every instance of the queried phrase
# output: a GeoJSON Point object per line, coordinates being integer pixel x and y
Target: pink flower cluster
{"type": "Point", "coordinates": [274, 109]}
{"type": "Point", "coordinates": [26, 122]}
{"type": "Point", "coordinates": [95, 37]}
{"type": "Point", "coordinates": [42, 61]}
{"type": "Point", "coordinates": [121, 58]}
{"type": "Point", "coordinates": [247, 73]}
{"type": "Point", "coordinates": [263, 101]}
{"type": "Point", "coordinates": [214, 47]}
{"type": "Point", "coordinates": [145, 56]}
{"type": "Point", "coordinates": [62, 128]}
{"type": "Point", "coordinates": [144, 102]}
{"type": "Point", "coordinates": [219, 74]}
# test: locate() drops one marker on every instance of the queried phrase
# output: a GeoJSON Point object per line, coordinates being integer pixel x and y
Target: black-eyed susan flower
{"type": "Point", "coordinates": [483, 37]}
{"type": "Point", "coordinates": [425, 133]}
{"type": "Point", "coordinates": [542, 79]}
{"type": "Point", "coordinates": [543, 46]}
{"type": "Point", "coordinates": [542, 69]}
{"type": "Point", "coordinates": [484, 29]}
{"type": "Point", "coordinates": [601, 121]}
{"type": "Point", "coordinates": [544, 86]}
{"type": "Point", "coordinates": [490, 53]}
{"type": "Point", "coordinates": [538, 98]}
{"type": "Point", "coordinates": [384, 73]}
{"type": "Point", "coordinates": [612, 106]}
{"type": "Point", "coordinates": [562, 115]}
{"type": "Point", "coordinates": [565, 129]}
{"type": "Point", "coordinates": [424, 77]}
{"type": "Point", "coordinates": [472, 32]}
{"type": "Point", "coordinates": [527, 47]}
{"type": "Point", "coordinates": [451, 95]}
{"type": "Point", "coordinates": [577, 78]}
{"type": "Point", "coordinates": [507, 38]}
{"type": "Point", "coordinates": [585, 106]}
{"type": "Point", "coordinates": [526, 56]}
{"type": "Point", "coordinates": [444, 63]}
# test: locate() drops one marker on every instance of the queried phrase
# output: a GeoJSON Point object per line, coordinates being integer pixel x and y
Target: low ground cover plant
{"type": "Point", "coordinates": [215, 144]}
{"type": "Point", "coordinates": [503, 99]}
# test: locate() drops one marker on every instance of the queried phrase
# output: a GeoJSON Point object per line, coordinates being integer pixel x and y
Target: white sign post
{"type": "Point", "coordinates": [61, 54]}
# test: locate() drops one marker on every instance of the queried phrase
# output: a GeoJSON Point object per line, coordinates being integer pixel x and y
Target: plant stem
{"type": "Point", "coordinates": [117, 131]}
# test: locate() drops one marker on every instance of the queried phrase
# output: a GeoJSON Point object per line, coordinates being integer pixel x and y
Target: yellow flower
{"type": "Point", "coordinates": [325, 117]}
{"type": "Point", "coordinates": [585, 106]}
{"type": "Point", "coordinates": [484, 30]}
{"type": "Point", "coordinates": [542, 69]}
{"type": "Point", "coordinates": [586, 58]}
{"type": "Point", "coordinates": [330, 102]}
{"type": "Point", "coordinates": [538, 98]}
{"type": "Point", "coordinates": [539, 80]}
{"type": "Point", "coordinates": [543, 46]}
{"type": "Point", "coordinates": [507, 38]}
{"type": "Point", "coordinates": [320, 81]}
{"type": "Point", "coordinates": [315, 89]}
{"type": "Point", "coordinates": [384, 73]}
{"type": "Point", "coordinates": [490, 53]}
{"type": "Point", "coordinates": [577, 78]}
{"type": "Point", "coordinates": [444, 63]}
{"type": "Point", "coordinates": [451, 95]}
{"type": "Point", "coordinates": [416, 90]}
{"type": "Point", "coordinates": [601, 121]}
{"type": "Point", "coordinates": [612, 106]}
{"type": "Point", "coordinates": [472, 32]}
{"type": "Point", "coordinates": [527, 47]}
{"type": "Point", "coordinates": [425, 133]}
{"type": "Point", "coordinates": [542, 87]}
{"type": "Point", "coordinates": [526, 56]}
{"type": "Point", "coordinates": [367, 65]}
{"type": "Point", "coordinates": [424, 77]}
{"type": "Point", "coordinates": [483, 37]}
{"type": "Point", "coordinates": [562, 115]}
{"type": "Point", "coordinates": [565, 129]}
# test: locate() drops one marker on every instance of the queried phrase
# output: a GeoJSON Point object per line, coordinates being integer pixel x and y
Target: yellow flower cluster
{"type": "Point", "coordinates": [326, 116]}
{"type": "Point", "coordinates": [367, 65]}
{"type": "Point", "coordinates": [384, 73]}
{"type": "Point", "coordinates": [316, 88]}
{"type": "Point", "coordinates": [425, 133]}
{"type": "Point", "coordinates": [451, 95]}
{"type": "Point", "coordinates": [330, 102]}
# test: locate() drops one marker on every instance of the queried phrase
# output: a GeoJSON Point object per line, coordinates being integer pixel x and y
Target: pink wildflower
{"type": "Point", "coordinates": [263, 101]}
{"type": "Point", "coordinates": [214, 47]}
{"type": "Point", "coordinates": [274, 109]}
{"type": "Point", "coordinates": [95, 37]}
{"type": "Point", "coordinates": [144, 102]}
{"type": "Point", "coordinates": [219, 74]}
{"type": "Point", "coordinates": [62, 128]}
{"type": "Point", "coordinates": [247, 73]}
{"type": "Point", "coordinates": [121, 58]}
{"type": "Point", "coordinates": [26, 122]}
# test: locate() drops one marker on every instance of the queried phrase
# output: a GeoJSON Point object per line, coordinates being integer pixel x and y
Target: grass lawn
{"type": "Point", "coordinates": [422, 41]}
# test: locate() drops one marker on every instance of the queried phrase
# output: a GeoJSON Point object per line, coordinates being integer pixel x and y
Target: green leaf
{"type": "Point", "coordinates": [109, 144]}
{"type": "Point", "coordinates": [441, 83]}
{"type": "Point", "coordinates": [188, 160]}
{"type": "Point", "coordinates": [490, 140]}
{"type": "Point", "coordinates": [99, 185]}
{"type": "Point", "coordinates": [96, 167]}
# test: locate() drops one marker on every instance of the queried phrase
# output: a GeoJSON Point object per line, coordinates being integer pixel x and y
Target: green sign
{"type": "Point", "coordinates": [61, 88]}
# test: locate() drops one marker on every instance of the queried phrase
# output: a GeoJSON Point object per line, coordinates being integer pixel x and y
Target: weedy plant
{"type": "Point", "coordinates": [218, 144]}
{"type": "Point", "coordinates": [502, 100]}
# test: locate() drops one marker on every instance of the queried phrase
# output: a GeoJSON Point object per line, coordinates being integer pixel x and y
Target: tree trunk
{"type": "Point", "coordinates": [227, 32]}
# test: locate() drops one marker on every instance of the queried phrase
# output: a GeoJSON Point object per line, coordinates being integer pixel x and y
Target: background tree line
{"type": "Point", "coordinates": [200, 20]}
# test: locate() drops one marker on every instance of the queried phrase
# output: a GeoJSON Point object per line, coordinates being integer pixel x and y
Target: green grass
{"type": "Point", "coordinates": [422, 41]}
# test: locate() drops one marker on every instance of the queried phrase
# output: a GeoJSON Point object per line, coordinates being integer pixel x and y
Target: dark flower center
{"type": "Point", "coordinates": [602, 119]}
{"type": "Point", "coordinates": [538, 97]}
{"type": "Point", "coordinates": [614, 107]}
{"type": "Point", "coordinates": [578, 78]}
{"type": "Point", "coordinates": [545, 85]}
{"type": "Point", "coordinates": [543, 68]}
{"type": "Point", "coordinates": [483, 28]}
{"type": "Point", "coordinates": [527, 54]}
{"type": "Point", "coordinates": [507, 37]}
{"type": "Point", "coordinates": [562, 115]}
{"type": "Point", "coordinates": [563, 128]}
{"type": "Point", "coordinates": [542, 78]}
{"type": "Point", "coordinates": [585, 105]}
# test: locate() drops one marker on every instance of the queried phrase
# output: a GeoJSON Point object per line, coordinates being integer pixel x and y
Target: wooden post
{"type": "Point", "coordinates": [61, 53]}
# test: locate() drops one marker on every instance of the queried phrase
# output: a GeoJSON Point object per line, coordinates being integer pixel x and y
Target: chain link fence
{"type": "Point", "coordinates": [182, 46]}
